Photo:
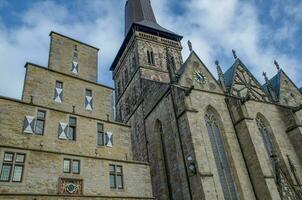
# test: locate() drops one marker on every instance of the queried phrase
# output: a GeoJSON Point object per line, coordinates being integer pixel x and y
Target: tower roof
{"type": "Point", "coordinates": [140, 12]}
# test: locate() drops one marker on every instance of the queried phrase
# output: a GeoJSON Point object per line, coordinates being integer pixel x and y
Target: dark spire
{"type": "Point", "coordinates": [234, 54]}
{"type": "Point", "coordinates": [277, 65]}
{"type": "Point", "coordinates": [140, 12]}
{"type": "Point", "coordinates": [220, 76]}
{"type": "Point", "coordinates": [190, 46]}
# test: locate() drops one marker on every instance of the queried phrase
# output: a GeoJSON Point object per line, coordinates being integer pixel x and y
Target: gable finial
{"type": "Point", "coordinates": [277, 65]}
{"type": "Point", "coordinates": [220, 76]}
{"type": "Point", "coordinates": [234, 54]}
{"type": "Point", "coordinates": [190, 45]}
{"type": "Point", "coordinates": [264, 75]}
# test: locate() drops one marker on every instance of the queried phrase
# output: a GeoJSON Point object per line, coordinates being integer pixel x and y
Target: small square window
{"type": "Point", "coordinates": [59, 84]}
{"type": "Point", "coordinates": [20, 158]}
{"type": "Point", "coordinates": [88, 93]}
{"type": "Point", "coordinates": [8, 157]}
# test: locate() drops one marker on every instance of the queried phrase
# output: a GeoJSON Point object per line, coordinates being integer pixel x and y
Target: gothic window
{"type": "Point", "coordinates": [173, 64]}
{"type": "Point", "coordinates": [116, 176]}
{"type": "Point", "coordinates": [126, 76]}
{"type": "Point", "coordinates": [150, 55]}
{"type": "Point", "coordinates": [133, 63]}
{"type": "Point", "coordinates": [12, 167]}
{"type": "Point", "coordinates": [159, 130]}
{"type": "Point", "coordinates": [264, 131]}
{"type": "Point", "coordinates": [58, 92]}
{"type": "Point", "coordinates": [88, 100]}
{"type": "Point", "coordinates": [222, 164]}
{"type": "Point", "coordinates": [40, 122]}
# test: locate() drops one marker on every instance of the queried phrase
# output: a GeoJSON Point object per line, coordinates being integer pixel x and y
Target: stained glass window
{"type": "Point", "coordinates": [222, 164]}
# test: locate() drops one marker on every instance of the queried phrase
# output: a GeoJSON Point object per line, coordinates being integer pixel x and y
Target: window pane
{"type": "Point", "coordinates": [17, 173]}
{"type": "Point", "coordinates": [75, 166]}
{"type": "Point", "coordinates": [112, 181]}
{"type": "Point", "coordinates": [100, 139]}
{"type": "Point", "coordinates": [89, 93]}
{"type": "Point", "coordinates": [59, 84]}
{"type": "Point", "coordinates": [20, 158]}
{"type": "Point", "coordinates": [119, 169]}
{"type": "Point", "coordinates": [111, 168]}
{"type": "Point", "coordinates": [5, 172]}
{"type": "Point", "coordinates": [72, 121]}
{"type": "Point", "coordinates": [8, 157]}
{"type": "Point", "coordinates": [100, 127]}
{"type": "Point", "coordinates": [41, 114]}
{"type": "Point", "coordinates": [119, 181]}
{"type": "Point", "coordinates": [70, 134]}
{"type": "Point", "coordinates": [39, 127]}
{"type": "Point", "coordinates": [66, 167]}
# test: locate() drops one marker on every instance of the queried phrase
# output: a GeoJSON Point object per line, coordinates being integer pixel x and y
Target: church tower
{"type": "Point", "coordinates": [143, 69]}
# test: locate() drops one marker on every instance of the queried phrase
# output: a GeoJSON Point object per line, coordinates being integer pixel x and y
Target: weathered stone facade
{"type": "Point", "coordinates": [43, 175]}
{"type": "Point", "coordinates": [179, 133]}
{"type": "Point", "coordinates": [204, 138]}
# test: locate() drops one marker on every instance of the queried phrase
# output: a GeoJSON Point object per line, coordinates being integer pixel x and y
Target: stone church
{"type": "Point", "coordinates": [176, 132]}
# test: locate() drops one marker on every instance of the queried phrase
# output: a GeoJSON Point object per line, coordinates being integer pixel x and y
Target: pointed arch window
{"type": "Point", "coordinates": [222, 164]}
{"type": "Point", "coordinates": [264, 131]}
{"type": "Point", "coordinates": [150, 55]}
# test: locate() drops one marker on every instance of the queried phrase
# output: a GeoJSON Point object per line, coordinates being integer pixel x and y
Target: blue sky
{"type": "Point", "coordinates": [259, 30]}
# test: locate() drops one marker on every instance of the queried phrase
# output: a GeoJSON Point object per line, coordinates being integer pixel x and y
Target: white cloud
{"type": "Point", "coordinates": [215, 27]}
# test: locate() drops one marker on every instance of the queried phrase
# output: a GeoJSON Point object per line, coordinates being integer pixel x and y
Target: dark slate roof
{"type": "Point", "coordinates": [230, 73]}
{"type": "Point", "coordinates": [140, 12]}
{"type": "Point", "coordinates": [139, 16]}
{"type": "Point", "coordinates": [275, 82]}
{"type": "Point", "coordinates": [300, 89]}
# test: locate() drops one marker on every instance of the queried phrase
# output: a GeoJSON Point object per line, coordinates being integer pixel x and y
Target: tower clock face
{"type": "Point", "coordinates": [199, 77]}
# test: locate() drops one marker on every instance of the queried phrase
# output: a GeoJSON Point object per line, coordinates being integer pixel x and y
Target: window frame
{"type": "Point", "coordinates": [115, 174]}
{"type": "Point", "coordinates": [74, 127]}
{"type": "Point", "coordinates": [12, 165]}
{"type": "Point", "coordinates": [100, 133]}
{"type": "Point", "coordinates": [71, 171]}
{"type": "Point", "coordinates": [40, 119]}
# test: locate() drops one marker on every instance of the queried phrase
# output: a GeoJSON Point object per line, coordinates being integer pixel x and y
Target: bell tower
{"type": "Point", "coordinates": [145, 65]}
{"type": "Point", "coordinates": [143, 55]}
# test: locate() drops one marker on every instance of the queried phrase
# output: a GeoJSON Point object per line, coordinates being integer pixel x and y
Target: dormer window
{"type": "Point", "coordinates": [150, 57]}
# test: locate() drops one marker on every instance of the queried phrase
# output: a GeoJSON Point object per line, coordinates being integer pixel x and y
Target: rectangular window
{"type": "Point", "coordinates": [88, 93]}
{"type": "Point", "coordinates": [12, 167]}
{"type": "Point", "coordinates": [71, 166]}
{"type": "Point", "coordinates": [72, 128]}
{"type": "Point", "coordinates": [75, 166]}
{"type": "Point", "coordinates": [88, 99]}
{"type": "Point", "coordinates": [116, 176]}
{"type": "Point", "coordinates": [66, 165]}
{"type": "Point", "coordinates": [59, 84]}
{"type": "Point", "coordinates": [100, 135]}
{"type": "Point", "coordinates": [58, 92]}
{"type": "Point", "coordinates": [40, 122]}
